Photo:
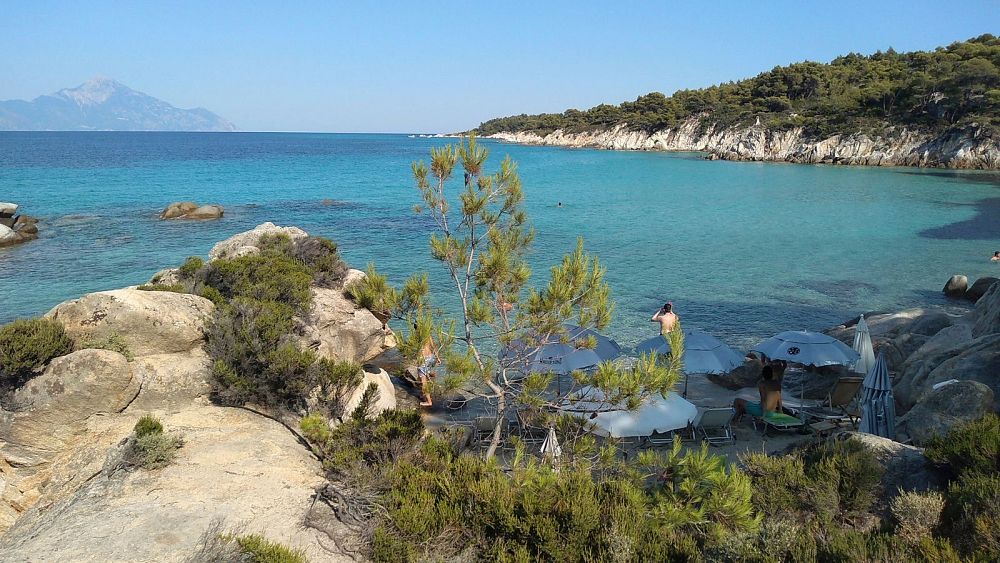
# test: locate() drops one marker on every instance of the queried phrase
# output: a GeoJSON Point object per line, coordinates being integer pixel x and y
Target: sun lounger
{"type": "Point", "coordinates": [777, 420]}
{"type": "Point", "coordinates": [715, 426]}
{"type": "Point", "coordinates": [839, 404]}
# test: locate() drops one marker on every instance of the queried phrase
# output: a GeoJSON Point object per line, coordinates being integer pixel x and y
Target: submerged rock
{"type": "Point", "coordinates": [191, 210]}
{"type": "Point", "coordinates": [206, 212]}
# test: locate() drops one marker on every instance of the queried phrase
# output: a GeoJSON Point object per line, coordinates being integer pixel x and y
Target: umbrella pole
{"type": "Point", "coordinates": [685, 385]}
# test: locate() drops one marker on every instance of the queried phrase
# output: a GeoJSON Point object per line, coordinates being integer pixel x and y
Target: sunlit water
{"type": "Point", "coordinates": [743, 250]}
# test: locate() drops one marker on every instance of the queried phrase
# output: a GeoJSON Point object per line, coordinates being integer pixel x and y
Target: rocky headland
{"type": "Point", "coordinates": [970, 147]}
{"type": "Point", "coordinates": [63, 496]}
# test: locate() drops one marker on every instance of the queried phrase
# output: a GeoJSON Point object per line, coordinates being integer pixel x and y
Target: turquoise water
{"type": "Point", "coordinates": [743, 250]}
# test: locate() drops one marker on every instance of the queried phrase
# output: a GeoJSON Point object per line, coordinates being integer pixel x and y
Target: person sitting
{"type": "Point", "coordinates": [426, 371]}
{"type": "Point", "coordinates": [770, 397]}
{"type": "Point", "coordinates": [666, 317]}
{"type": "Point", "coordinates": [996, 256]}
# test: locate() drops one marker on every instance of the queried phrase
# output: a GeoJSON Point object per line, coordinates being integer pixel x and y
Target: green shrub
{"type": "Point", "coordinates": [173, 287]}
{"type": "Point", "coordinates": [191, 266]}
{"type": "Point", "coordinates": [262, 277]}
{"type": "Point", "coordinates": [916, 514]}
{"type": "Point", "coordinates": [148, 425]}
{"type": "Point", "coordinates": [27, 345]}
{"type": "Point", "coordinates": [320, 255]}
{"type": "Point", "coordinates": [258, 549]}
{"type": "Point", "coordinates": [337, 381]}
{"type": "Point", "coordinates": [852, 468]}
{"type": "Point", "coordinates": [971, 447]}
{"type": "Point", "coordinates": [213, 295]}
{"type": "Point", "coordinates": [114, 342]}
{"type": "Point", "coordinates": [971, 515]}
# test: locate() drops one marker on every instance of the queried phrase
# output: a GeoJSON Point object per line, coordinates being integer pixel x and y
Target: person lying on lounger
{"type": "Point", "coordinates": [770, 397]}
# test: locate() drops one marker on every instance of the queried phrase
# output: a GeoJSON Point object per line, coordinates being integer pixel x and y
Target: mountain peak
{"type": "Point", "coordinates": [103, 103]}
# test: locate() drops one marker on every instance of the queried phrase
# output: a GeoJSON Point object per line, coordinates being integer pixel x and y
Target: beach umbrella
{"type": "Point", "coordinates": [807, 348]}
{"type": "Point", "coordinates": [703, 353]}
{"type": "Point", "coordinates": [563, 355]}
{"type": "Point", "coordinates": [658, 413]}
{"type": "Point", "coordinates": [878, 406]}
{"type": "Point", "coordinates": [550, 446]}
{"type": "Point", "coordinates": [863, 346]}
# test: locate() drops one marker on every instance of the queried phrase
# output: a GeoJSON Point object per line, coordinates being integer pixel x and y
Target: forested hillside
{"type": "Point", "coordinates": [925, 90]}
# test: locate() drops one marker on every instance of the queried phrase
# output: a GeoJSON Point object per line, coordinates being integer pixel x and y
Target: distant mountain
{"type": "Point", "coordinates": [103, 104]}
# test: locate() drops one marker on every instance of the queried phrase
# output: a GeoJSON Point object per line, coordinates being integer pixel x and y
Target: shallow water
{"type": "Point", "coordinates": [743, 250]}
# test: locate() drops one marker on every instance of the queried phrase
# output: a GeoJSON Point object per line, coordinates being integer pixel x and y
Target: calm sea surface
{"type": "Point", "coordinates": [743, 250]}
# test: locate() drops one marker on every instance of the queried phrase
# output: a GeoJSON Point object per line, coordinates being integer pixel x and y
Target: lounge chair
{"type": "Point", "coordinates": [838, 406]}
{"type": "Point", "coordinates": [529, 433]}
{"type": "Point", "coordinates": [715, 426]}
{"type": "Point", "coordinates": [777, 420]}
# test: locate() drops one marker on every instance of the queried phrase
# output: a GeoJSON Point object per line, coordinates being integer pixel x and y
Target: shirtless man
{"type": "Point", "coordinates": [426, 372]}
{"type": "Point", "coordinates": [666, 317]}
{"type": "Point", "coordinates": [996, 256]}
{"type": "Point", "coordinates": [770, 397]}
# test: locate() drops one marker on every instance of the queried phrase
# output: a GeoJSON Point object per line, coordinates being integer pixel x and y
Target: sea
{"type": "Point", "coordinates": [743, 250]}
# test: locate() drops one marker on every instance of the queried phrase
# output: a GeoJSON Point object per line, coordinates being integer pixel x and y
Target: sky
{"type": "Point", "coordinates": [441, 66]}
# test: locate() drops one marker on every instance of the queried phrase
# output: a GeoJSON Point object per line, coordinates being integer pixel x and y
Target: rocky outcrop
{"type": "Point", "coordinates": [967, 147]}
{"type": "Point", "coordinates": [16, 229]}
{"type": "Point", "coordinates": [234, 465]}
{"type": "Point", "coordinates": [150, 322]}
{"type": "Point", "coordinates": [914, 374]}
{"type": "Point", "coordinates": [906, 467]}
{"type": "Point", "coordinates": [338, 329]}
{"type": "Point", "coordinates": [191, 210]}
{"type": "Point", "coordinates": [977, 290]}
{"type": "Point", "coordinates": [956, 286]}
{"type": "Point", "coordinates": [246, 242]}
{"type": "Point", "coordinates": [986, 315]}
{"type": "Point", "coordinates": [386, 391]}
{"type": "Point", "coordinates": [945, 408]}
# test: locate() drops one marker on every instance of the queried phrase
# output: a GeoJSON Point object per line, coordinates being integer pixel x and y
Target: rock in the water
{"type": "Point", "coordinates": [178, 209]}
{"type": "Point", "coordinates": [234, 465]}
{"type": "Point", "coordinates": [905, 466]}
{"type": "Point", "coordinates": [338, 329]}
{"type": "Point", "coordinates": [986, 315]}
{"type": "Point", "coordinates": [150, 322]}
{"type": "Point", "coordinates": [915, 371]}
{"type": "Point", "coordinates": [8, 237]}
{"type": "Point", "coordinates": [945, 408]}
{"type": "Point", "coordinates": [28, 229]}
{"type": "Point", "coordinates": [978, 289]}
{"type": "Point", "coordinates": [8, 209]}
{"type": "Point", "coordinates": [386, 392]}
{"type": "Point", "coordinates": [25, 220]}
{"type": "Point", "coordinates": [956, 286]}
{"type": "Point", "coordinates": [206, 212]}
{"type": "Point", "coordinates": [246, 242]}
{"type": "Point", "coordinates": [52, 409]}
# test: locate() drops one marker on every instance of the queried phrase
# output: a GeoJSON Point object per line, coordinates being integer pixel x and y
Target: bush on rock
{"type": "Point", "coordinates": [26, 345]}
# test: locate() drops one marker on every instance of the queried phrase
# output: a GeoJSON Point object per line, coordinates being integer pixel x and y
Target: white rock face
{"type": "Point", "coordinates": [8, 236]}
{"type": "Point", "coordinates": [8, 208]}
{"type": "Point", "coordinates": [150, 322]}
{"type": "Point", "coordinates": [971, 147]}
{"type": "Point", "coordinates": [338, 329]}
{"type": "Point", "coordinates": [245, 243]}
{"type": "Point", "coordinates": [386, 393]}
{"type": "Point", "coordinates": [234, 465]}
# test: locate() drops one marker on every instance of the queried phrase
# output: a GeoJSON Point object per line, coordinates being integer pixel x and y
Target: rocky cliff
{"type": "Point", "coordinates": [968, 148]}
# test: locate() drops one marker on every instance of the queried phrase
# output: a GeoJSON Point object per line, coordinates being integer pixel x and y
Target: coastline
{"type": "Point", "coordinates": [967, 148]}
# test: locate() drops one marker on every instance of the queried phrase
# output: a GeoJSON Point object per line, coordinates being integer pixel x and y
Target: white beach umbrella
{"type": "Point", "coordinates": [562, 354]}
{"type": "Point", "coordinates": [807, 348]}
{"type": "Point", "coordinates": [863, 346]}
{"type": "Point", "coordinates": [703, 353]}
{"type": "Point", "coordinates": [878, 406]}
{"type": "Point", "coordinates": [550, 446]}
{"type": "Point", "coordinates": [656, 414]}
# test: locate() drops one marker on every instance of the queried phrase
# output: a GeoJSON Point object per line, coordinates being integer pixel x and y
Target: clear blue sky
{"type": "Point", "coordinates": [439, 65]}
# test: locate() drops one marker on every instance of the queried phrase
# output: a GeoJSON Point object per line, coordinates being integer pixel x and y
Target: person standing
{"type": "Point", "coordinates": [426, 371]}
{"type": "Point", "coordinates": [666, 317]}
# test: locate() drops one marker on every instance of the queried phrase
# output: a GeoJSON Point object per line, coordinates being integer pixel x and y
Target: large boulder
{"type": "Point", "coordinates": [338, 329]}
{"type": "Point", "coordinates": [172, 382]}
{"type": "Point", "coordinates": [978, 289]}
{"type": "Point", "coordinates": [899, 349]}
{"type": "Point", "coordinates": [906, 467]}
{"type": "Point", "coordinates": [980, 361]}
{"type": "Point", "coordinates": [206, 212]}
{"type": "Point", "coordinates": [880, 324]}
{"type": "Point", "coordinates": [246, 242]}
{"type": "Point", "coordinates": [944, 408]}
{"type": "Point", "coordinates": [52, 409]}
{"type": "Point", "coordinates": [8, 237]}
{"type": "Point", "coordinates": [8, 209]}
{"type": "Point", "coordinates": [178, 209]}
{"type": "Point", "coordinates": [386, 391]}
{"type": "Point", "coordinates": [914, 373]}
{"type": "Point", "coordinates": [150, 322]}
{"type": "Point", "coordinates": [929, 323]}
{"type": "Point", "coordinates": [956, 286]}
{"type": "Point", "coordinates": [986, 315]}
{"type": "Point", "coordinates": [235, 466]}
